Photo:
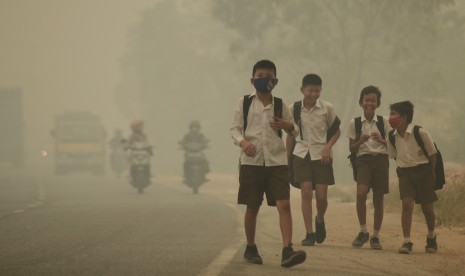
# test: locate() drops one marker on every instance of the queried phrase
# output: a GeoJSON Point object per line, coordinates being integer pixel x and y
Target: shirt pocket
{"type": "Point", "coordinates": [319, 123]}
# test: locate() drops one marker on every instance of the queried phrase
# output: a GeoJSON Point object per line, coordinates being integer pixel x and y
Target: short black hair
{"type": "Point", "coordinates": [311, 79]}
{"type": "Point", "coordinates": [264, 64]}
{"type": "Point", "coordinates": [403, 108]}
{"type": "Point", "coordinates": [370, 90]}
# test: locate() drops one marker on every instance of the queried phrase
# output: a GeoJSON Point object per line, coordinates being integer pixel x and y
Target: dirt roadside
{"type": "Point", "coordinates": [335, 256]}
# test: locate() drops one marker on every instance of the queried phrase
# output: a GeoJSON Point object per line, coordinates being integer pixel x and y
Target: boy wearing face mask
{"type": "Point", "coordinates": [371, 165]}
{"type": "Point", "coordinates": [415, 171]}
{"type": "Point", "coordinates": [263, 162]}
{"type": "Point", "coordinates": [312, 160]}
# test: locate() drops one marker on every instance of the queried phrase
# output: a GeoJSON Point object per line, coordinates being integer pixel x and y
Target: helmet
{"type": "Point", "coordinates": [137, 124]}
{"type": "Point", "coordinates": [194, 124]}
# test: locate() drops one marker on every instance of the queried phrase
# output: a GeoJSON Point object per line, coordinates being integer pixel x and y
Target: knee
{"type": "Point", "coordinates": [378, 199]}
{"type": "Point", "coordinates": [321, 198]}
{"type": "Point", "coordinates": [251, 211]}
{"type": "Point", "coordinates": [306, 193]}
{"type": "Point", "coordinates": [283, 206]}
{"type": "Point", "coordinates": [407, 205]}
{"type": "Point", "coordinates": [361, 196]}
{"type": "Point", "coordinates": [427, 210]}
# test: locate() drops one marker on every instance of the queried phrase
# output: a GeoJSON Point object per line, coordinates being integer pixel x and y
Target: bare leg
{"type": "Point", "coordinates": [250, 224]}
{"type": "Point", "coordinates": [285, 220]}
{"type": "Point", "coordinates": [378, 203]}
{"type": "Point", "coordinates": [362, 191]}
{"type": "Point", "coordinates": [430, 216]}
{"type": "Point", "coordinates": [407, 210]}
{"type": "Point", "coordinates": [307, 196]}
{"type": "Point", "coordinates": [321, 195]}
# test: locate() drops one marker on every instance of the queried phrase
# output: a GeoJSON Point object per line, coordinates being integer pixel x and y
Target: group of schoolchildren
{"type": "Point", "coordinates": [312, 129]}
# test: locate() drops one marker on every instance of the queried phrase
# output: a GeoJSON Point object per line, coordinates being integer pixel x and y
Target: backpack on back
{"type": "Point", "coordinates": [439, 168]}
{"type": "Point", "coordinates": [329, 133]}
{"type": "Point", "coordinates": [358, 132]}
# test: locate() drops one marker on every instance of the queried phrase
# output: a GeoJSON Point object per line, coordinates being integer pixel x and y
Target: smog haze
{"type": "Point", "coordinates": [170, 62]}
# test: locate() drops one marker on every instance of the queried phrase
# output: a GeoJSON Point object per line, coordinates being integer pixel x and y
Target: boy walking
{"type": "Point", "coordinates": [415, 171]}
{"type": "Point", "coordinates": [367, 139]}
{"type": "Point", "coordinates": [256, 129]}
{"type": "Point", "coordinates": [312, 160]}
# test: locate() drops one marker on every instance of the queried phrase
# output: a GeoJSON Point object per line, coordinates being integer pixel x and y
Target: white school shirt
{"type": "Point", "coordinates": [371, 146]}
{"type": "Point", "coordinates": [271, 150]}
{"type": "Point", "coordinates": [407, 152]}
{"type": "Point", "coordinates": [314, 123]}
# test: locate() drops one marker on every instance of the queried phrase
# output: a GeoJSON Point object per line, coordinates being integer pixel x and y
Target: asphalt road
{"type": "Point", "coordinates": [84, 225]}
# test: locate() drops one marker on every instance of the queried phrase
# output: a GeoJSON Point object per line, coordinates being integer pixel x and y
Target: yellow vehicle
{"type": "Point", "coordinates": [79, 143]}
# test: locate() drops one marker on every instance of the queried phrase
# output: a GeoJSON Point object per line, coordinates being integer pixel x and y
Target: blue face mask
{"type": "Point", "coordinates": [264, 85]}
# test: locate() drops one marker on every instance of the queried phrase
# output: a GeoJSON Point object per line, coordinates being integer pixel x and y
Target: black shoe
{"type": "Point", "coordinates": [431, 245]}
{"type": "Point", "coordinates": [360, 240]}
{"type": "Point", "coordinates": [309, 239]}
{"type": "Point", "coordinates": [375, 244]}
{"type": "Point", "coordinates": [291, 257]}
{"type": "Point", "coordinates": [406, 248]}
{"type": "Point", "coordinates": [251, 255]}
{"type": "Point", "coordinates": [320, 233]}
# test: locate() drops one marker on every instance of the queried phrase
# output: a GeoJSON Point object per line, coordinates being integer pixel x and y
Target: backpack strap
{"type": "Point", "coordinates": [392, 139]}
{"type": "Point", "coordinates": [358, 128]}
{"type": "Point", "coordinates": [416, 134]}
{"type": "Point", "coordinates": [245, 108]}
{"type": "Point", "coordinates": [297, 119]}
{"type": "Point", "coordinates": [380, 125]}
{"type": "Point", "coordinates": [333, 128]}
{"type": "Point", "coordinates": [278, 111]}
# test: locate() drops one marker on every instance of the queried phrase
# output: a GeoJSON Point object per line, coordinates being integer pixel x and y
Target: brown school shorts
{"type": "Point", "coordinates": [418, 183]}
{"type": "Point", "coordinates": [312, 170]}
{"type": "Point", "coordinates": [254, 181]}
{"type": "Point", "coordinates": [373, 171]}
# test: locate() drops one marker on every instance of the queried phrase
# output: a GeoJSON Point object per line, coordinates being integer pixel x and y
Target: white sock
{"type": "Point", "coordinates": [431, 234]}
{"type": "Point", "coordinates": [375, 234]}
{"type": "Point", "coordinates": [363, 228]}
{"type": "Point", "coordinates": [406, 239]}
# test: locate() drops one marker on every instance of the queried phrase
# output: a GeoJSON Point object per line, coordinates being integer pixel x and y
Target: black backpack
{"type": "Point", "coordinates": [358, 132]}
{"type": "Point", "coordinates": [439, 169]}
{"type": "Point", "coordinates": [278, 110]}
{"type": "Point", "coordinates": [329, 133]}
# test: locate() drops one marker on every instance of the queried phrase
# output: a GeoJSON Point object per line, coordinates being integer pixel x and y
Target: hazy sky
{"type": "Point", "coordinates": [64, 54]}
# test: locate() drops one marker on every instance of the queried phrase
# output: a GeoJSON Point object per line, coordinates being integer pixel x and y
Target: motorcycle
{"type": "Point", "coordinates": [139, 165]}
{"type": "Point", "coordinates": [118, 161]}
{"type": "Point", "coordinates": [195, 167]}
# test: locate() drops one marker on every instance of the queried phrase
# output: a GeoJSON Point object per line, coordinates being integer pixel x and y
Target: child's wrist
{"type": "Point", "coordinates": [291, 127]}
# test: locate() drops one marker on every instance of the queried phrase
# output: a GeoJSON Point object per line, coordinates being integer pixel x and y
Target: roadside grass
{"type": "Point", "coordinates": [450, 207]}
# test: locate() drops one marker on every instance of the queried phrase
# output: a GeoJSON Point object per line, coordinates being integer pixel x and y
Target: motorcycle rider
{"type": "Point", "coordinates": [194, 142]}
{"type": "Point", "coordinates": [138, 136]}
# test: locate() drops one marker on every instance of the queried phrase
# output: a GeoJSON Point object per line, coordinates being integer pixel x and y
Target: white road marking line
{"type": "Point", "coordinates": [39, 201]}
{"type": "Point", "coordinates": [225, 257]}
